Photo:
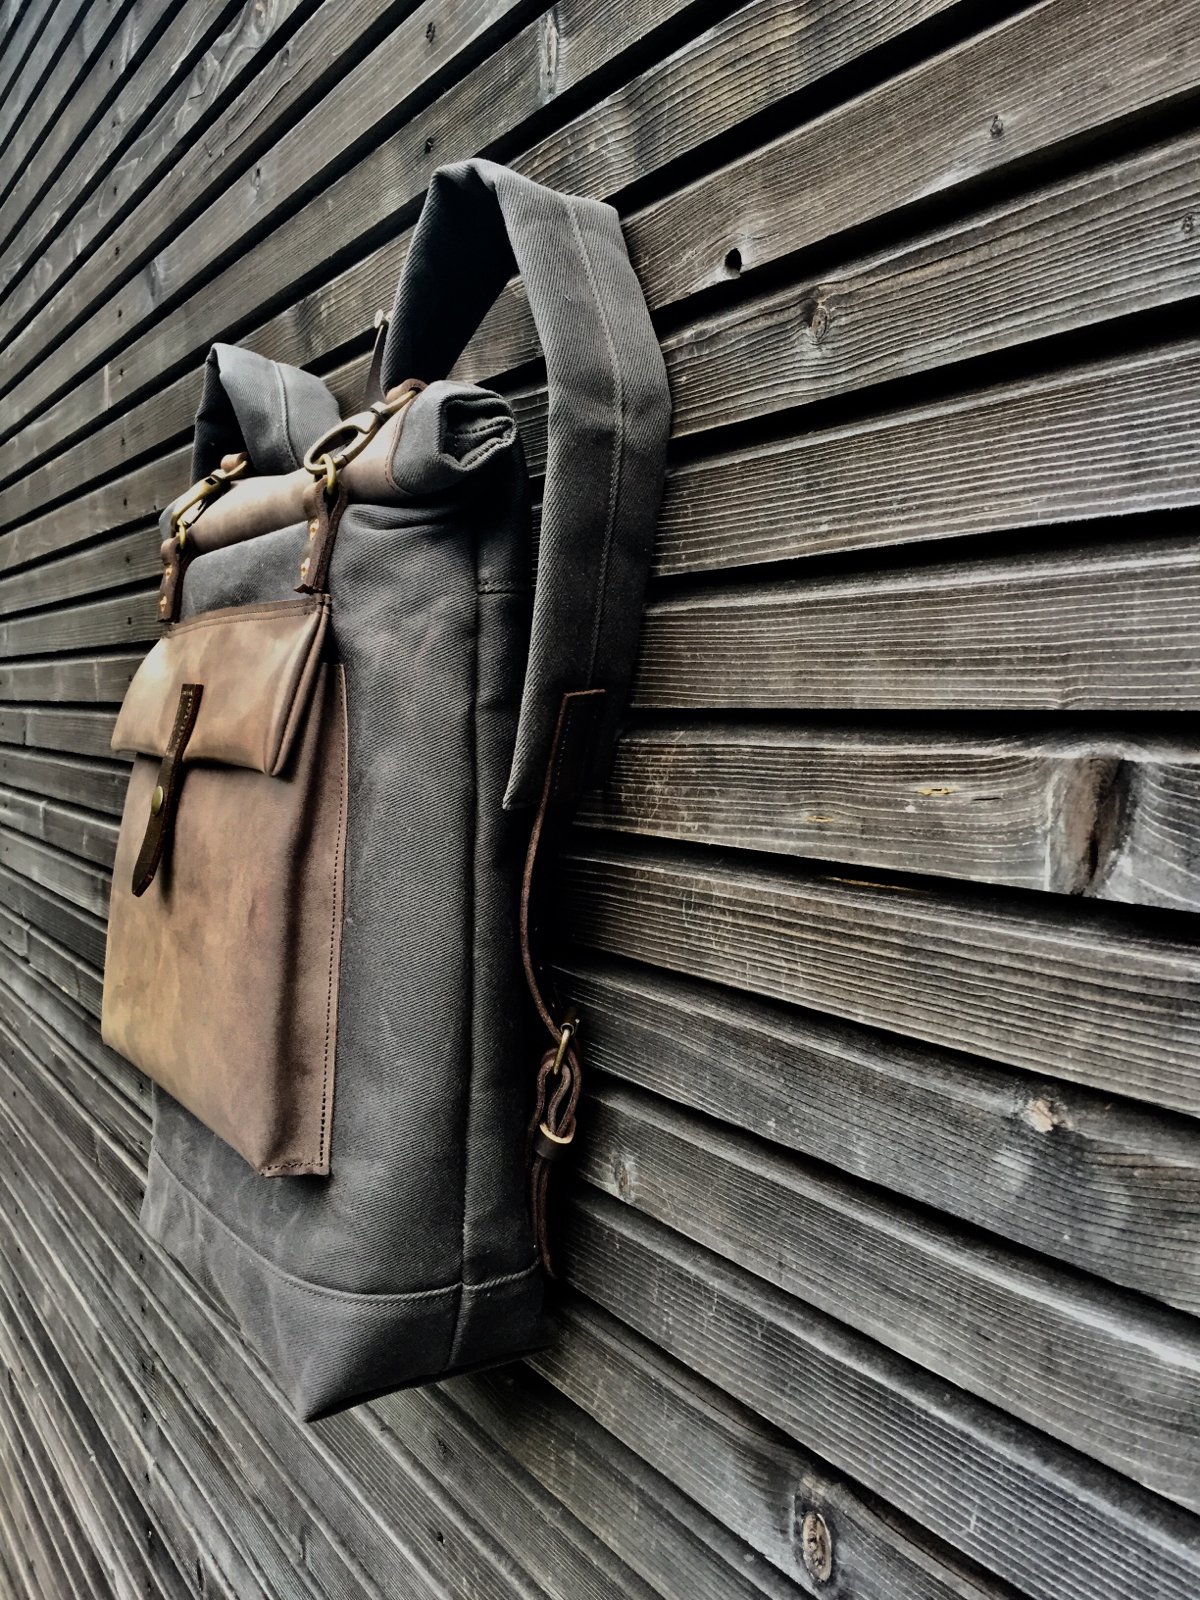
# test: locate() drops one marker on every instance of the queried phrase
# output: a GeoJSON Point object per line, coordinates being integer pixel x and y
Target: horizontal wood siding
{"type": "Point", "coordinates": [881, 1256]}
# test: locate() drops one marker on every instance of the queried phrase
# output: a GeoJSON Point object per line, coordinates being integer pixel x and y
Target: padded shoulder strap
{"type": "Point", "coordinates": [608, 422]}
{"type": "Point", "coordinates": [270, 410]}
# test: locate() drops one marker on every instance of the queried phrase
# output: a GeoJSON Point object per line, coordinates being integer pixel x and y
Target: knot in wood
{"type": "Point", "coordinates": [816, 1547]}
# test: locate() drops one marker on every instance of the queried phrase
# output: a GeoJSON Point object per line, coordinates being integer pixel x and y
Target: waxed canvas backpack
{"type": "Point", "coordinates": [352, 747]}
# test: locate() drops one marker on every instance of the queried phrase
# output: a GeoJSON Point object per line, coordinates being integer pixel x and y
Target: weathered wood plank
{"type": "Point", "coordinates": [1101, 440]}
{"type": "Point", "coordinates": [1038, 1515]}
{"type": "Point", "coordinates": [192, 1537]}
{"type": "Point", "coordinates": [1111, 816]}
{"type": "Point", "coordinates": [243, 48]}
{"type": "Point", "coordinates": [173, 37]}
{"type": "Point", "coordinates": [94, 784]}
{"type": "Point", "coordinates": [117, 1519]}
{"type": "Point", "coordinates": [755, 48]}
{"type": "Point", "coordinates": [73, 1059]}
{"type": "Point", "coordinates": [126, 619]}
{"type": "Point", "coordinates": [995, 809]}
{"type": "Point", "coordinates": [45, 29]}
{"type": "Point", "coordinates": [71, 1535]}
{"type": "Point", "coordinates": [1117, 1381]}
{"type": "Point", "coordinates": [132, 558]}
{"type": "Point", "coordinates": [371, 1451]}
{"type": "Point", "coordinates": [1155, 854]}
{"type": "Point", "coordinates": [37, 1530]}
{"type": "Point", "coordinates": [1029, 85]}
{"type": "Point", "coordinates": [135, 497]}
{"type": "Point", "coordinates": [93, 838]}
{"type": "Point", "coordinates": [80, 932]}
{"type": "Point", "coordinates": [295, 145]}
{"type": "Point", "coordinates": [745, 1472]}
{"type": "Point", "coordinates": [92, 680]}
{"type": "Point", "coordinates": [1091, 249]}
{"type": "Point", "coordinates": [73, 880]}
{"type": "Point", "coordinates": [1109, 629]}
{"type": "Point", "coordinates": [536, 1527]}
{"type": "Point", "coordinates": [1103, 1184]}
{"type": "Point", "coordinates": [74, 37]}
{"type": "Point", "coordinates": [1092, 997]}
{"type": "Point", "coordinates": [681, 1551]}
{"type": "Point", "coordinates": [87, 733]}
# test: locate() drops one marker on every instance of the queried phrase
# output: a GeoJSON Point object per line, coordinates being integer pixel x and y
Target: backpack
{"type": "Point", "coordinates": [353, 746]}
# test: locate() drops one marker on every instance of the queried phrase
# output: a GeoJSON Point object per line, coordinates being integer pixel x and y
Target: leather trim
{"type": "Point", "coordinates": [166, 791]}
{"type": "Point", "coordinates": [258, 665]}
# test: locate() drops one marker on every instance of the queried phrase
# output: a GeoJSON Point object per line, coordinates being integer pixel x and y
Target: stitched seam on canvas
{"type": "Point", "coordinates": [614, 476]}
{"type": "Point", "coordinates": [470, 922]}
{"type": "Point", "coordinates": [326, 1290]}
{"type": "Point", "coordinates": [304, 1285]}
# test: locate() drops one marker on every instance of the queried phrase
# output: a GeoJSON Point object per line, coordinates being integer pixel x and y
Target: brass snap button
{"type": "Point", "coordinates": [156, 800]}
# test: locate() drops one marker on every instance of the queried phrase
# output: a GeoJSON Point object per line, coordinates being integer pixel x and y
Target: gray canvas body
{"type": "Point", "coordinates": [415, 1257]}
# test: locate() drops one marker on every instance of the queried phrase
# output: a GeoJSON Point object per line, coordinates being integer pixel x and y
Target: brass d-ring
{"type": "Point", "coordinates": [194, 501]}
{"type": "Point", "coordinates": [327, 456]}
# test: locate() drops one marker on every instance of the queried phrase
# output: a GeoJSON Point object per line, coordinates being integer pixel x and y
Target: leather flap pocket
{"type": "Point", "coordinates": [257, 665]}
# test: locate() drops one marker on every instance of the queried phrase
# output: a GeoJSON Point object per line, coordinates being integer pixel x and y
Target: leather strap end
{"type": "Point", "coordinates": [165, 799]}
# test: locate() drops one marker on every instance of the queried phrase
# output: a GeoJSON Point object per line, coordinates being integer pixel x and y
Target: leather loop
{"type": "Point", "coordinates": [166, 791]}
{"type": "Point", "coordinates": [324, 514]}
{"type": "Point", "coordinates": [560, 1075]}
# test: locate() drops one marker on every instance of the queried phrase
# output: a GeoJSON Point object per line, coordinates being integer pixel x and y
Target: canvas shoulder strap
{"type": "Point", "coordinates": [609, 414]}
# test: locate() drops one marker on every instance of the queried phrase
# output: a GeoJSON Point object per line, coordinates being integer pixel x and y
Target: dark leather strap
{"type": "Point", "coordinates": [324, 513]}
{"type": "Point", "coordinates": [559, 1080]}
{"type": "Point", "coordinates": [165, 798]}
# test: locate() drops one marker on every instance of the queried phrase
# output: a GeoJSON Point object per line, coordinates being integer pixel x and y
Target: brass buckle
{"type": "Point", "coordinates": [326, 458]}
{"type": "Point", "coordinates": [570, 1028]}
{"type": "Point", "coordinates": [193, 503]}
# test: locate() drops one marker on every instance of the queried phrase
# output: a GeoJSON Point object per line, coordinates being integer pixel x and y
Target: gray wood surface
{"type": "Point", "coordinates": [879, 1268]}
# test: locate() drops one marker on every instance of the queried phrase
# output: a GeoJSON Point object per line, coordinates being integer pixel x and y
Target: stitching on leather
{"type": "Point", "coordinates": [321, 1159]}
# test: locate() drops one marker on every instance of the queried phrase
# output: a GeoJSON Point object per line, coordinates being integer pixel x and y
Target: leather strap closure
{"type": "Point", "coordinates": [560, 1073]}
{"type": "Point", "coordinates": [324, 513]}
{"type": "Point", "coordinates": [178, 549]}
{"type": "Point", "coordinates": [165, 799]}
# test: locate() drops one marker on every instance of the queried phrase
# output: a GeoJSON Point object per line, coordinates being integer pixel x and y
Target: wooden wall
{"type": "Point", "coordinates": [883, 1278]}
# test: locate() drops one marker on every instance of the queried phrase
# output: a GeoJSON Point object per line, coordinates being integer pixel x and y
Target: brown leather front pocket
{"type": "Point", "coordinates": [221, 978]}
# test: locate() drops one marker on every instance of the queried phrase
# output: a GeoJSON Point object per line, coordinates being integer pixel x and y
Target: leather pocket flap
{"type": "Point", "coordinates": [257, 665]}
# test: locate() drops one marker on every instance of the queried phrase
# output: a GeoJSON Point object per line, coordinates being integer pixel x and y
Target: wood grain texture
{"type": "Point", "coordinates": [752, 213]}
{"type": "Point", "coordinates": [886, 1194]}
{"type": "Point", "coordinates": [755, 47]}
{"type": "Point", "coordinates": [670, 1543]}
{"type": "Point", "coordinates": [1094, 1181]}
{"type": "Point", "coordinates": [1037, 1515]}
{"type": "Point", "coordinates": [1044, 77]}
{"type": "Point", "coordinates": [1117, 1383]}
{"type": "Point", "coordinates": [407, 65]}
{"type": "Point", "coordinates": [1097, 247]}
{"type": "Point", "coordinates": [427, 1425]}
{"type": "Point", "coordinates": [1083, 997]}
{"type": "Point", "coordinates": [1110, 815]}
{"type": "Point", "coordinates": [743, 1470]}
{"type": "Point", "coordinates": [1106, 629]}
{"type": "Point", "coordinates": [112, 108]}
{"type": "Point", "coordinates": [1101, 440]}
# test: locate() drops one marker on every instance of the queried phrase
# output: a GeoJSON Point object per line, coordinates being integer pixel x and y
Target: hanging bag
{"type": "Point", "coordinates": [353, 745]}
